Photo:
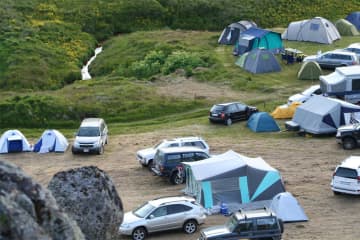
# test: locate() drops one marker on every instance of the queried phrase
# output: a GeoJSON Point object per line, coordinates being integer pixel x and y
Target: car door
{"type": "Point", "coordinates": [242, 111]}
{"type": "Point", "coordinates": [245, 228]}
{"type": "Point", "coordinates": [158, 220]}
{"type": "Point", "coordinates": [177, 215]}
{"type": "Point", "coordinates": [267, 227]}
{"type": "Point", "coordinates": [325, 60]}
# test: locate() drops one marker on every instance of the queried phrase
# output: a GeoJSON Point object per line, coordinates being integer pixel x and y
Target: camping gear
{"type": "Point", "coordinates": [285, 111]}
{"type": "Point", "coordinates": [51, 141]}
{"type": "Point", "coordinates": [258, 38]}
{"type": "Point", "coordinates": [287, 208]}
{"type": "Point", "coordinates": [309, 71]}
{"type": "Point", "coordinates": [346, 28]}
{"type": "Point", "coordinates": [317, 29]}
{"type": "Point", "coordinates": [231, 178]}
{"type": "Point", "coordinates": [292, 55]}
{"type": "Point", "coordinates": [231, 33]}
{"type": "Point", "coordinates": [322, 115]}
{"type": "Point", "coordinates": [354, 18]}
{"type": "Point", "coordinates": [13, 141]}
{"type": "Point", "coordinates": [262, 122]}
{"type": "Point", "coordinates": [261, 61]}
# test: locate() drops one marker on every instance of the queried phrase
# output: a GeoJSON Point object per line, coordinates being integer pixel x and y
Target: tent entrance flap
{"type": "Point", "coordinates": [208, 200]}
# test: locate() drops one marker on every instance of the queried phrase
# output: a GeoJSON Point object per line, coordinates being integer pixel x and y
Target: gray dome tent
{"type": "Point", "coordinates": [261, 61]}
{"type": "Point", "coordinates": [231, 33]}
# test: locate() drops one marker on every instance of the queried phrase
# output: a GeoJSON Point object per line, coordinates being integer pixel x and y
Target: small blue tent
{"type": "Point", "coordinates": [258, 38]}
{"type": "Point", "coordinates": [354, 18]}
{"type": "Point", "coordinates": [262, 122]}
{"type": "Point", "coordinates": [261, 61]}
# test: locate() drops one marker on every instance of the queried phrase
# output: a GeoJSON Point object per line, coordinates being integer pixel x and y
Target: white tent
{"type": "Point", "coordinates": [317, 29]}
{"type": "Point", "coordinates": [51, 141]}
{"type": "Point", "coordinates": [13, 141]}
{"type": "Point", "coordinates": [288, 208]}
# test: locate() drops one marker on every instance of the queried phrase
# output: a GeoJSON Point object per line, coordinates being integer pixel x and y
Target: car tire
{"type": "Point", "coordinates": [176, 179]}
{"type": "Point", "coordinates": [139, 233]}
{"type": "Point", "coordinates": [150, 164]}
{"type": "Point", "coordinates": [190, 226]}
{"type": "Point", "coordinates": [336, 193]}
{"type": "Point", "coordinates": [349, 143]}
{"type": "Point", "coordinates": [228, 122]}
{"type": "Point", "coordinates": [101, 150]}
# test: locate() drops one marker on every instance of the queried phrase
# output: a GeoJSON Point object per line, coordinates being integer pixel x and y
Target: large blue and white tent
{"type": "Point", "coordinates": [51, 141]}
{"type": "Point", "coordinates": [231, 178]}
{"type": "Point", "coordinates": [14, 141]}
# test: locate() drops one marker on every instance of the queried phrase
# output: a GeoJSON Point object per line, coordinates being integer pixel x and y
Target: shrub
{"type": "Point", "coordinates": [183, 60]}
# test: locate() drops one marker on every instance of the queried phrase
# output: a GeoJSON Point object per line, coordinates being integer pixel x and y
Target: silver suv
{"type": "Point", "coordinates": [335, 58]}
{"type": "Point", "coordinates": [346, 177]}
{"type": "Point", "coordinates": [163, 214]}
{"type": "Point", "coordinates": [146, 156]}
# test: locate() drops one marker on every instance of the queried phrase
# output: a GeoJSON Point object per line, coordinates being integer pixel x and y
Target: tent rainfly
{"type": "Point", "coordinates": [262, 122]}
{"type": "Point", "coordinates": [285, 111]}
{"type": "Point", "coordinates": [231, 178]}
{"type": "Point", "coordinates": [51, 141]}
{"type": "Point", "coordinates": [231, 33]}
{"type": "Point", "coordinates": [354, 18]}
{"type": "Point", "coordinates": [14, 141]}
{"type": "Point", "coordinates": [346, 28]}
{"type": "Point", "coordinates": [261, 61]}
{"type": "Point", "coordinates": [287, 208]}
{"type": "Point", "coordinates": [317, 29]}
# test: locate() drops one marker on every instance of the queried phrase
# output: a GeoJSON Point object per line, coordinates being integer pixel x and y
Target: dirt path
{"type": "Point", "coordinates": [306, 165]}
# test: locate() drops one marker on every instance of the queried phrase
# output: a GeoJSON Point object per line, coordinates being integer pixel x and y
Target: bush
{"type": "Point", "coordinates": [149, 66]}
{"type": "Point", "coordinates": [183, 60]}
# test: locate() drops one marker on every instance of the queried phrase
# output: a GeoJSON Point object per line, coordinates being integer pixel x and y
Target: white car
{"type": "Point", "coordinates": [354, 47]}
{"type": "Point", "coordinates": [334, 59]}
{"type": "Point", "coordinates": [346, 177]}
{"type": "Point", "coordinates": [305, 95]}
{"type": "Point", "coordinates": [146, 156]}
{"type": "Point", "coordinates": [163, 214]}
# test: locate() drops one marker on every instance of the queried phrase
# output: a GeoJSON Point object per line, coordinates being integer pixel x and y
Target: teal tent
{"type": "Point", "coordinates": [262, 122]}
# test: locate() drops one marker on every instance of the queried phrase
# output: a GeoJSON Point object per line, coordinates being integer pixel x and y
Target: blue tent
{"type": "Point", "coordinates": [261, 61]}
{"type": "Point", "coordinates": [354, 18]}
{"type": "Point", "coordinates": [258, 38]}
{"type": "Point", "coordinates": [262, 122]}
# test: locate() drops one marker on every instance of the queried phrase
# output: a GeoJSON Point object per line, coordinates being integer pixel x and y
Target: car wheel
{"type": "Point", "coordinates": [190, 226]}
{"type": "Point", "coordinates": [101, 150]}
{"type": "Point", "coordinates": [336, 193]}
{"type": "Point", "coordinates": [228, 122]}
{"type": "Point", "coordinates": [139, 233]}
{"type": "Point", "coordinates": [177, 178]}
{"type": "Point", "coordinates": [150, 164]}
{"type": "Point", "coordinates": [349, 143]}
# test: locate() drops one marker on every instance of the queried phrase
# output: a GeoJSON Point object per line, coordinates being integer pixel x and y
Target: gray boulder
{"type": "Point", "coordinates": [89, 196]}
{"type": "Point", "coordinates": [29, 211]}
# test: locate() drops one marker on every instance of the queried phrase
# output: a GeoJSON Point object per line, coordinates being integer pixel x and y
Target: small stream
{"type": "Point", "coordinates": [85, 75]}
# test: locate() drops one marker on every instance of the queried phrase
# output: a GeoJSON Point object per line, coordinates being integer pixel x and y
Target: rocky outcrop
{"type": "Point", "coordinates": [29, 211]}
{"type": "Point", "coordinates": [89, 196]}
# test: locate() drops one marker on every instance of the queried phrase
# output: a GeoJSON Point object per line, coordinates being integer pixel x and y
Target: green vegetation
{"type": "Point", "coordinates": [44, 44]}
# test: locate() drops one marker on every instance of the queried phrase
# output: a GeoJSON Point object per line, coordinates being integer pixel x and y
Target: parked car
{"type": "Point", "coordinates": [355, 48]}
{"type": "Point", "coordinates": [168, 162]}
{"type": "Point", "coordinates": [333, 59]}
{"type": "Point", "coordinates": [305, 95]}
{"type": "Point", "coordinates": [91, 136]}
{"type": "Point", "coordinates": [346, 177]}
{"type": "Point", "coordinates": [348, 136]}
{"type": "Point", "coordinates": [146, 156]}
{"type": "Point", "coordinates": [163, 214]}
{"type": "Point", "coordinates": [251, 224]}
{"type": "Point", "coordinates": [228, 113]}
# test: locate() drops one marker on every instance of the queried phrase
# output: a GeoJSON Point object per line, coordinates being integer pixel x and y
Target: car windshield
{"type": "Point", "coordinates": [160, 144]}
{"type": "Point", "coordinates": [217, 108]}
{"type": "Point", "coordinates": [231, 223]}
{"type": "Point", "coordinates": [346, 173]}
{"type": "Point", "coordinates": [143, 210]}
{"type": "Point", "coordinates": [89, 132]}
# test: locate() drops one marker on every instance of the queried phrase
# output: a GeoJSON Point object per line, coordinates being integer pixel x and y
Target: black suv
{"type": "Point", "coordinates": [348, 136]}
{"type": "Point", "coordinates": [228, 113]}
{"type": "Point", "coordinates": [250, 224]}
{"type": "Point", "coordinates": [168, 162]}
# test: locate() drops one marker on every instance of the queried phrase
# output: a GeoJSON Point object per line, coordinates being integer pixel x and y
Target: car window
{"type": "Point", "coordinates": [245, 226]}
{"type": "Point", "coordinates": [241, 107]}
{"type": "Point", "coordinates": [199, 144]}
{"type": "Point", "coordinates": [328, 55]}
{"type": "Point", "coordinates": [188, 157]}
{"type": "Point", "coordinates": [217, 108]}
{"type": "Point", "coordinates": [318, 92]}
{"type": "Point", "coordinates": [174, 145]}
{"type": "Point", "coordinates": [177, 208]}
{"type": "Point", "coordinates": [160, 212]}
{"type": "Point", "coordinates": [201, 156]}
{"type": "Point", "coordinates": [266, 223]}
{"type": "Point", "coordinates": [232, 108]}
{"type": "Point", "coordinates": [174, 158]}
{"type": "Point", "coordinates": [346, 173]}
{"type": "Point", "coordinates": [356, 84]}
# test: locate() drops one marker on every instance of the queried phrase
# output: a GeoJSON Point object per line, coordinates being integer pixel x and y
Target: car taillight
{"type": "Point", "coordinates": [222, 115]}
{"type": "Point", "coordinates": [358, 178]}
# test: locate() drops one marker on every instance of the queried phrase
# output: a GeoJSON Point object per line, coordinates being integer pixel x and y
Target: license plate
{"type": "Point", "coordinates": [86, 150]}
{"type": "Point", "coordinates": [345, 183]}
{"type": "Point", "coordinates": [214, 114]}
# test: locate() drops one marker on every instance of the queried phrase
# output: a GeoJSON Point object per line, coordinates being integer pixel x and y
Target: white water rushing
{"type": "Point", "coordinates": [85, 75]}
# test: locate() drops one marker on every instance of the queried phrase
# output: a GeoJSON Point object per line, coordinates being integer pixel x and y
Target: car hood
{"type": "Point", "coordinates": [310, 58]}
{"type": "Point", "coordinates": [214, 231]}
{"type": "Point", "coordinates": [146, 152]}
{"type": "Point", "coordinates": [87, 139]}
{"type": "Point", "coordinates": [298, 98]}
{"type": "Point", "coordinates": [130, 218]}
{"type": "Point", "coordinates": [345, 128]}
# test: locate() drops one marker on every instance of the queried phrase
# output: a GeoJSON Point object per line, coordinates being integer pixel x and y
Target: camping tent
{"type": "Point", "coordinates": [346, 28]}
{"type": "Point", "coordinates": [354, 18]}
{"type": "Point", "coordinates": [309, 71]}
{"type": "Point", "coordinates": [287, 208]}
{"type": "Point", "coordinates": [262, 122]}
{"type": "Point", "coordinates": [241, 60]}
{"type": "Point", "coordinates": [51, 141]}
{"type": "Point", "coordinates": [317, 29]}
{"type": "Point", "coordinates": [231, 178]}
{"type": "Point", "coordinates": [322, 115]}
{"type": "Point", "coordinates": [261, 61]}
{"type": "Point", "coordinates": [232, 32]}
{"type": "Point", "coordinates": [285, 111]}
{"type": "Point", "coordinates": [258, 38]}
{"type": "Point", "coordinates": [13, 141]}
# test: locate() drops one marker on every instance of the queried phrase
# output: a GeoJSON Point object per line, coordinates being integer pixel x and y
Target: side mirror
{"type": "Point", "coordinates": [151, 216]}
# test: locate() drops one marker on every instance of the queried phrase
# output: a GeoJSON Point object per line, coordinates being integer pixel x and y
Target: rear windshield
{"type": "Point", "coordinates": [89, 132]}
{"type": "Point", "coordinates": [217, 108]}
{"type": "Point", "coordinates": [346, 173]}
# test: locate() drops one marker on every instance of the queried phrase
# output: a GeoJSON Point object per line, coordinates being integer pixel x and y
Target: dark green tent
{"type": "Point", "coordinates": [309, 71]}
{"type": "Point", "coordinates": [346, 28]}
